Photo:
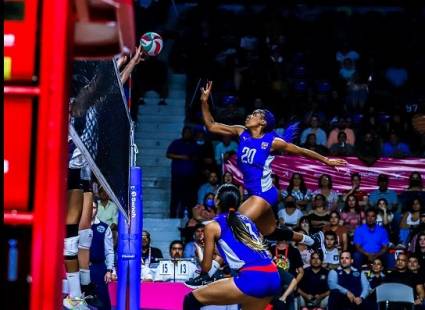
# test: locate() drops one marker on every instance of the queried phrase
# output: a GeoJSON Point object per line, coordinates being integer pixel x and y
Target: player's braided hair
{"type": "Point", "coordinates": [229, 200]}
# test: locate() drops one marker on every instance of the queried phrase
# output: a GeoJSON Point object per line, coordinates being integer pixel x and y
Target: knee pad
{"type": "Point", "coordinates": [74, 179]}
{"type": "Point", "coordinates": [86, 236]}
{"type": "Point", "coordinates": [191, 303]}
{"type": "Point", "coordinates": [70, 250]}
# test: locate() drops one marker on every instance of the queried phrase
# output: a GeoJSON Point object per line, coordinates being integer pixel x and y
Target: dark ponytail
{"type": "Point", "coordinates": [229, 200]}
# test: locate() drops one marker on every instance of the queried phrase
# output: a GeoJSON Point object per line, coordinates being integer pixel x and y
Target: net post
{"type": "Point", "coordinates": [129, 247]}
{"type": "Point", "coordinates": [136, 226]}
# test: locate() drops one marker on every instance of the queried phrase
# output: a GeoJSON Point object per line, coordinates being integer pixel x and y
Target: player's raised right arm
{"type": "Point", "coordinates": [209, 122]}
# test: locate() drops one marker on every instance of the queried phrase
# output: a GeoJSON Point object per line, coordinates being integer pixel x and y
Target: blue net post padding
{"type": "Point", "coordinates": [129, 247]}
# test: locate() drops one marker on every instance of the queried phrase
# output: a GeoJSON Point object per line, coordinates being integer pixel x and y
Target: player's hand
{"type": "Point", "coordinates": [139, 56]}
{"type": "Point", "coordinates": [206, 91]}
{"type": "Point", "coordinates": [108, 277]}
{"type": "Point", "coordinates": [336, 162]}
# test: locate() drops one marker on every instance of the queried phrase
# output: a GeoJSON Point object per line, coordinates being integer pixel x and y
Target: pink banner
{"type": "Point", "coordinates": [398, 171]}
{"type": "Point", "coordinates": [156, 295]}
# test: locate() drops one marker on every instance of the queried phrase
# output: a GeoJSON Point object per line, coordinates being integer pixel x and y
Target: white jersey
{"type": "Point", "coordinates": [330, 256]}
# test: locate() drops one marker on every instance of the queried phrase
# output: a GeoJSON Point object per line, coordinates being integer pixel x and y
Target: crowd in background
{"type": "Point", "coordinates": [351, 81]}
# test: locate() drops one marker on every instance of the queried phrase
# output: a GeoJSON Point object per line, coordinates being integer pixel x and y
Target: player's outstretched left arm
{"type": "Point", "coordinates": [137, 58]}
{"type": "Point", "coordinates": [281, 145]}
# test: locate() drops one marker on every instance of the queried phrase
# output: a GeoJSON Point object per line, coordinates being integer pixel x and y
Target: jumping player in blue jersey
{"type": "Point", "coordinates": [240, 244]}
{"type": "Point", "coordinates": [257, 142]}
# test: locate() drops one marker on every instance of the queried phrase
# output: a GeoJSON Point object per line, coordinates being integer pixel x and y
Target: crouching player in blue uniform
{"type": "Point", "coordinates": [241, 246]}
{"type": "Point", "coordinates": [257, 142]}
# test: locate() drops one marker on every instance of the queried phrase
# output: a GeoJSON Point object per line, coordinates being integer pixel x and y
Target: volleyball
{"type": "Point", "coordinates": [151, 43]}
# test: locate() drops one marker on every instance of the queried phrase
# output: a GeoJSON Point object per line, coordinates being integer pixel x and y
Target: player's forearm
{"type": "Point", "coordinates": [206, 115]}
{"type": "Point", "coordinates": [311, 154]}
{"type": "Point", "coordinates": [125, 74]}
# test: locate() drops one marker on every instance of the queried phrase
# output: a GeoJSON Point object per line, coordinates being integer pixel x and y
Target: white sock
{"type": "Point", "coordinates": [85, 276]}
{"type": "Point", "coordinates": [74, 284]}
{"type": "Point", "coordinates": [214, 267]}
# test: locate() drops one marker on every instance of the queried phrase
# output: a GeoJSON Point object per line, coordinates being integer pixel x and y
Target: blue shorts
{"type": "Point", "coordinates": [254, 282]}
{"type": "Point", "coordinates": [271, 196]}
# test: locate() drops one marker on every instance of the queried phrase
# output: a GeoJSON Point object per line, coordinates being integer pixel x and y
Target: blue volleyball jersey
{"type": "Point", "coordinates": [234, 252]}
{"type": "Point", "coordinates": [254, 160]}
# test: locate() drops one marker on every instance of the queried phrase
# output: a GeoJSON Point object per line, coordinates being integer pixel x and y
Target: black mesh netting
{"type": "Point", "coordinates": [100, 126]}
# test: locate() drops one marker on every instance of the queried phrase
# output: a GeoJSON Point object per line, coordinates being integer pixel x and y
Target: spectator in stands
{"type": "Point", "coordinates": [341, 126]}
{"type": "Point", "coordinates": [313, 287]}
{"type": "Point", "coordinates": [415, 182]}
{"type": "Point", "coordinates": [413, 265]}
{"type": "Point", "coordinates": [342, 148]}
{"type": "Point", "coordinates": [384, 192]}
{"type": "Point", "coordinates": [288, 258]}
{"type": "Point", "coordinates": [368, 149]}
{"type": "Point", "coordinates": [209, 187]}
{"type": "Point", "coordinates": [329, 247]}
{"type": "Point", "coordinates": [340, 230]}
{"type": "Point", "coordinates": [224, 149]}
{"type": "Point", "coordinates": [355, 190]}
{"type": "Point", "coordinates": [227, 178]}
{"type": "Point", "coordinates": [305, 251]}
{"type": "Point", "coordinates": [357, 94]}
{"type": "Point", "coordinates": [348, 70]}
{"type": "Point", "coordinates": [402, 275]}
{"type": "Point", "coordinates": [414, 190]}
{"type": "Point", "coordinates": [305, 224]}
{"type": "Point", "coordinates": [298, 190]}
{"type": "Point", "coordinates": [184, 172]}
{"type": "Point", "coordinates": [410, 220]}
{"type": "Point", "coordinates": [176, 249]}
{"type": "Point", "coordinates": [319, 216]}
{"type": "Point", "coordinates": [419, 252]}
{"type": "Point", "coordinates": [395, 148]}
{"type": "Point", "coordinates": [370, 240]}
{"type": "Point", "coordinates": [210, 210]}
{"type": "Point", "coordinates": [311, 144]}
{"type": "Point", "coordinates": [375, 276]}
{"type": "Point", "coordinates": [107, 211]}
{"type": "Point", "coordinates": [101, 259]}
{"type": "Point", "coordinates": [325, 188]}
{"type": "Point", "coordinates": [175, 269]}
{"type": "Point", "coordinates": [314, 128]}
{"type": "Point", "coordinates": [290, 214]}
{"type": "Point", "coordinates": [149, 254]}
{"type": "Point", "coordinates": [194, 249]}
{"type": "Point", "coordinates": [352, 215]}
{"type": "Point", "coordinates": [196, 217]}
{"type": "Point", "coordinates": [384, 216]}
{"type": "Point", "coordinates": [345, 52]}
{"type": "Point", "coordinates": [349, 287]}
{"type": "Point", "coordinates": [396, 75]}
